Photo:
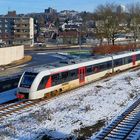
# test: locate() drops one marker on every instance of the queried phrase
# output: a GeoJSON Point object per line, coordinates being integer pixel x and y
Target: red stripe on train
{"type": "Point", "coordinates": [49, 82]}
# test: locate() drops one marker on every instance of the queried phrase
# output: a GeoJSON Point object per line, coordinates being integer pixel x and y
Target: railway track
{"type": "Point", "coordinates": [7, 110]}
{"type": "Point", "coordinates": [10, 109]}
{"type": "Point", "coordinates": [124, 127]}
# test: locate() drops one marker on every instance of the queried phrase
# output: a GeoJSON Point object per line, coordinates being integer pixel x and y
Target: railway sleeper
{"type": "Point", "coordinates": [126, 127]}
{"type": "Point", "coordinates": [133, 117]}
{"type": "Point", "coordinates": [107, 130]}
{"type": "Point", "coordinates": [114, 123]}
{"type": "Point", "coordinates": [134, 114]}
{"type": "Point", "coordinates": [111, 137]}
{"type": "Point", "coordinates": [123, 128]}
{"type": "Point", "coordinates": [118, 133]}
{"type": "Point", "coordinates": [130, 123]}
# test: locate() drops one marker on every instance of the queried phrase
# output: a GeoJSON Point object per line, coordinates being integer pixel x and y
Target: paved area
{"type": "Point", "coordinates": [14, 67]}
{"type": "Point", "coordinates": [38, 58]}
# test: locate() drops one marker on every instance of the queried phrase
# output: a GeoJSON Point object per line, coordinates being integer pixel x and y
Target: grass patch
{"type": "Point", "coordinates": [79, 52]}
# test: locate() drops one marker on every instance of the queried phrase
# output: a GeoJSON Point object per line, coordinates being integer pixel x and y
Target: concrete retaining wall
{"type": "Point", "coordinates": [10, 54]}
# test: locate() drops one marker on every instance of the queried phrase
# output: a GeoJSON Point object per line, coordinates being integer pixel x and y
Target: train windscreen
{"type": "Point", "coordinates": [27, 79]}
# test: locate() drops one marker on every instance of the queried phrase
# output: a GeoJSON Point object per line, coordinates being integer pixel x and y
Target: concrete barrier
{"type": "Point", "coordinates": [10, 54]}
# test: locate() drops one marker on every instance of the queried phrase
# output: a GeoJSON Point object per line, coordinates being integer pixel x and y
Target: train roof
{"type": "Point", "coordinates": [75, 63]}
{"type": "Point", "coordinates": [125, 54]}
{"type": "Point", "coordinates": [68, 63]}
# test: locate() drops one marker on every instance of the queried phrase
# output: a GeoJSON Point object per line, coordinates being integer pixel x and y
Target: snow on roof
{"type": "Point", "coordinates": [65, 115]}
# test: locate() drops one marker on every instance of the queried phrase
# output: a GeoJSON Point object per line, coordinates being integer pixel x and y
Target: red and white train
{"type": "Point", "coordinates": [49, 82]}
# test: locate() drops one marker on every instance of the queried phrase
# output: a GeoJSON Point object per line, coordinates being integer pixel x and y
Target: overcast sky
{"type": "Point", "coordinates": [28, 6]}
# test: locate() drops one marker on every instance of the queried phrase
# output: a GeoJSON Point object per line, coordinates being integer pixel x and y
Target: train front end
{"type": "Point", "coordinates": [24, 86]}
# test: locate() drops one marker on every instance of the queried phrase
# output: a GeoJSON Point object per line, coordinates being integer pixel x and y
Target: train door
{"type": "Point", "coordinates": [134, 59]}
{"type": "Point", "coordinates": [81, 75]}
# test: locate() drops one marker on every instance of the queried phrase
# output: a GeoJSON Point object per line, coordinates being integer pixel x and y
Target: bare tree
{"type": "Point", "coordinates": [86, 17]}
{"type": "Point", "coordinates": [107, 22]}
{"type": "Point", "coordinates": [134, 19]}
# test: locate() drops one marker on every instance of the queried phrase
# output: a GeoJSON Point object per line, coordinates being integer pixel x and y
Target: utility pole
{"type": "Point", "coordinates": [79, 39]}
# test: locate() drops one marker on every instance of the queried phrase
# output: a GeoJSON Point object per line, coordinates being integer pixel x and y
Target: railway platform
{"type": "Point", "coordinates": [125, 127]}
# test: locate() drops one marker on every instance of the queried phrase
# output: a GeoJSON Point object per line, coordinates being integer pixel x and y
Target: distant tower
{"type": "Point", "coordinates": [11, 13]}
{"type": "Point", "coordinates": [50, 10]}
{"type": "Point", "coordinates": [121, 9]}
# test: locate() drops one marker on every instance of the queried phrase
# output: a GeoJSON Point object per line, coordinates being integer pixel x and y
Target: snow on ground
{"type": "Point", "coordinates": [66, 115]}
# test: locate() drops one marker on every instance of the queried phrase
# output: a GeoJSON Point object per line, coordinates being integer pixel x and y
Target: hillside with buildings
{"type": "Point", "coordinates": [108, 24]}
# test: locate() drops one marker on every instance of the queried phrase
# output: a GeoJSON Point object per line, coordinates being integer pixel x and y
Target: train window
{"type": "Point", "coordinates": [103, 66]}
{"type": "Point", "coordinates": [95, 69]}
{"type": "Point", "coordinates": [123, 61]}
{"type": "Point", "coordinates": [109, 64]}
{"type": "Point", "coordinates": [89, 70]}
{"type": "Point", "coordinates": [64, 77]}
{"type": "Point", "coordinates": [129, 59]}
{"type": "Point", "coordinates": [27, 79]}
{"type": "Point", "coordinates": [126, 60]}
{"type": "Point", "coordinates": [43, 82]}
{"type": "Point", "coordinates": [56, 79]}
{"type": "Point", "coordinates": [73, 74]}
{"type": "Point", "coordinates": [118, 62]}
{"type": "Point", "coordinates": [138, 56]}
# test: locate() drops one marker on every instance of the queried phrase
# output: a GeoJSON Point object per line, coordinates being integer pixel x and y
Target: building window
{"type": "Point", "coordinates": [6, 20]}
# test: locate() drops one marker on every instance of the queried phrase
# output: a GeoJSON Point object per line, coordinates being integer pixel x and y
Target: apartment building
{"type": "Point", "coordinates": [15, 30]}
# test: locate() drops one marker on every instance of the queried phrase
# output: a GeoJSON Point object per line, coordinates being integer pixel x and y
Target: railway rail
{"type": "Point", "coordinates": [124, 127]}
{"type": "Point", "coordinates": [10, 109]}
{"type": "Point", "coordinates": [7, 110]}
